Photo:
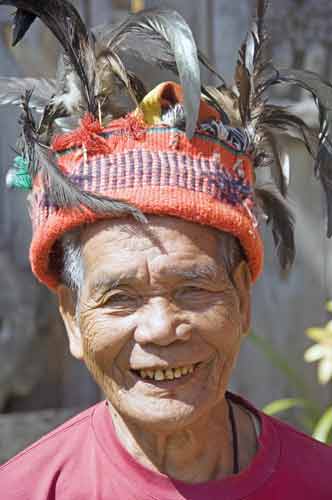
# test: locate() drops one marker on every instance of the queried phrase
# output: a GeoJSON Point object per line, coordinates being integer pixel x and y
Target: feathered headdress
{"type": "Point", "coordinates": [98, 116]}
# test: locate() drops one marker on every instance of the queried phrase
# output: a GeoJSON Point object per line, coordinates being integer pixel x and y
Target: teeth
{"type": "Point", "coordinates": [169, 374]}
{"type": "Point", "coordinates": [159, 375]}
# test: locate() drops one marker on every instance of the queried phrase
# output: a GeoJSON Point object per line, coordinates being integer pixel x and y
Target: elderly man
{"type": "Point", "coordinates": [157, 305]}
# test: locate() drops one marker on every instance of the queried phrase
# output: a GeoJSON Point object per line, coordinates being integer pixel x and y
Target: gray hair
{"type": "Point", "coordinates": [72, 272]}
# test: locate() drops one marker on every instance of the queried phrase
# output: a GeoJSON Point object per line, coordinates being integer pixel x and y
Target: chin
{"type": "Point", "coordinates": [162, 414]}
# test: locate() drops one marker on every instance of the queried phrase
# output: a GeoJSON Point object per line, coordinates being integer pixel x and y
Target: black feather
{"type": "Point", "coordinates": [322, 93]}
{"type": "Point", "coordinates": [170, 27]}
{"type": "Point", "coordinates": [67, 26]}
{"type": "Point", "coordinates": [21, 24]}
{"type": "Point", "coordinates": [278, 118]}
{"type": "Point", "coordinates": [251, 66]}
{"type": "Point", "coordinates": [319, 89]}
{"type": "Point", "coordinates": [282, 221]}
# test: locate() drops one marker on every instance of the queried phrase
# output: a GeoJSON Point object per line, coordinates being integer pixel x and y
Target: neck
{"type": "Point", "coordinates": [197, 453]}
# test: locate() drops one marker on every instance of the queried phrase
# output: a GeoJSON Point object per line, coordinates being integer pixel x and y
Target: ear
{"type": "Point", "coordinates": [67, 308]}
{"type": "Point", "coordinates": [242, 281]}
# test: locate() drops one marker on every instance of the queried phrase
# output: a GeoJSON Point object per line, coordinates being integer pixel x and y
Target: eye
{"type": "Point", "coordinates": [121, 300]}
{"type": "Point", "coordinates": [191, 292]}
{"type": "Point", "coordinates": [192, 289]}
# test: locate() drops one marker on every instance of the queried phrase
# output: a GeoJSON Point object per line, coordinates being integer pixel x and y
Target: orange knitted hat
{"type": "Point", "coordinates": [187, 150]}
{"type": "Point", "coordinates": [155, 168]}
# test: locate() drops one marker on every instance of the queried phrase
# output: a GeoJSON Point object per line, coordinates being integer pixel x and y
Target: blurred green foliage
{"type": "Point", "coordinates": [316, 421]}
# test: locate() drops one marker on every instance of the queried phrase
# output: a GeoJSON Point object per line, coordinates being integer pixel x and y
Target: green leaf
{"type": "Point", "coordinates": [282, 405]}
{"type": "Point", "coordinates": [323, 427]}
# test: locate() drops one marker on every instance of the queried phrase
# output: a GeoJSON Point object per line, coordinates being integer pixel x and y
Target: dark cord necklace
{"type": "Point", "coordinates": [235, 441]}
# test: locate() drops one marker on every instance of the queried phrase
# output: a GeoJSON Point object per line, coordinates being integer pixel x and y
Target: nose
{"type": "Point", "coordinates": [160, 324]}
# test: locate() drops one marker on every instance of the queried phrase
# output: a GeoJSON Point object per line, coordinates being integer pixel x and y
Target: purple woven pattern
{"type": "Point", "coordinates": [137, 168]}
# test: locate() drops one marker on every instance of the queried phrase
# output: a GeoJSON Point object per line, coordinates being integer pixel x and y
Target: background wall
{"type": "Point", "coordinates": [36, 370]}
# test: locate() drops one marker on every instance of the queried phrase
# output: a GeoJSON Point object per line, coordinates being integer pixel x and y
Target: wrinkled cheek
{"type": "Point", "coordinates": [100, 349]}
{"type": "Point", "coordinates": [226, 341]}
{"type": "Point", "coordinates": [94, 360]}
{"type": "Point", "coordinates": [101, 365]}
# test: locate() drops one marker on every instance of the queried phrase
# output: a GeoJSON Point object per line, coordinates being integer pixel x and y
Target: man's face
{"type": "Point", "coordinates": [160, 322]}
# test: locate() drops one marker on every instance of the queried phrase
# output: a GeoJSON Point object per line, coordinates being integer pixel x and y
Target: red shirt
{"type": "Point", "coordinates": [83, 460]}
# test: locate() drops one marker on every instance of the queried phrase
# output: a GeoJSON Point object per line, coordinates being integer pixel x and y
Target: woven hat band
{"type": "Point", "coordinates": [161, 172]}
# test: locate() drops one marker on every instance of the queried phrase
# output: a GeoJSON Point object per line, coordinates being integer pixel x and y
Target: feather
{"type": "Point", "coordinates": [12, 90]}
{"type": "Point", "coordinates": [243, 83]}
{"type": "Point", "coordinates": [278, 118]}
{"type": "Point", "coordinates": [322, 93]}
{"type": "Point", "coordinates": [250, 66]}
{"type": "Point", "coordinates": [111, 69]}
{"type": "Point", "coordinates": [63, 193]}
{"type": "Point", "coordinates": [324, 171]}
{"type": "Point", "coordinates": [21, 24]}
{"type": "Point", "coordinates": [254, 76]}
{"type": "Point", "coordinates": [113, 86]}
{"type": "Point", "coordinates": [140, 49]}
{"type": "Point", "coordinates": [67, 26]}
{"type": "Point", "coordinates": [67, 124]}
{"type": "Point", "coordinates": [282, 221]}
{"type": "Point", "coordinates": [68, 93]}
{"type": "Point", "coordinates": [320, 90]}
{"type": "Point", "coordinates": [117, 90]}
{"type": "Point", "coordinates": [137, 85]}
{"type": "Point", "coordinates": [276, 163]}
{"type": "Point", "coordinates": [261, 9]}
{"type": "Point", "coordinates": [28, 137]}
{"type": "Point", "coordinates": [285, 160]}
{"type": "Point", "coordinates": [59, 189]}
{"type": "Point", "coordinates": [170, 27]}
{"type": "Point", "coordinates": [133, 46]}
{"type": "Point", "coordinates": [214, 98]}
{"type": "Point", "coordinates": [226, 102]}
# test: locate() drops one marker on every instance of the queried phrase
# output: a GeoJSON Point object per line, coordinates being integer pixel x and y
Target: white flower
{"type": "Point", "coordinates": [321, 351]}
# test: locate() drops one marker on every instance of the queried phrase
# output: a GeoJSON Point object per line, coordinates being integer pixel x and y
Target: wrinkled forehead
{"type": "Point", "coordinates": [164, 236]}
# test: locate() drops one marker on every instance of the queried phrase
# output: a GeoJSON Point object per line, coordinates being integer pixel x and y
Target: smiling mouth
{"type": "Point", "coordinates": [168, 374]}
